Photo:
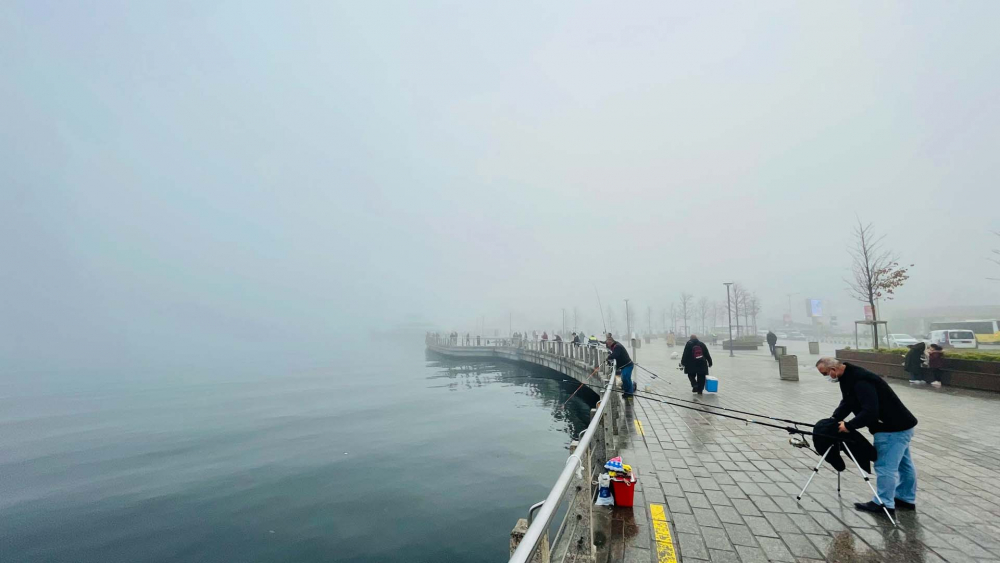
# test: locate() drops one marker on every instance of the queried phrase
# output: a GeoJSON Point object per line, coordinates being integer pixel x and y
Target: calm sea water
{"type": "Point", "coordinates": [390, 455]}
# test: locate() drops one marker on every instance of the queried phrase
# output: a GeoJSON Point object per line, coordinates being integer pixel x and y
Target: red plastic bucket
{"type": "Point", "coordinates": [624, 491]}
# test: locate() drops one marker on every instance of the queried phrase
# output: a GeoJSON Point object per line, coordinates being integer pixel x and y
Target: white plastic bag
{"type": "Point", "coordinates": [604, 497]}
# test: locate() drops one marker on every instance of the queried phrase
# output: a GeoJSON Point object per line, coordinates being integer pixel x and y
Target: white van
{"type": "Point", "coordinates": [954, 338]}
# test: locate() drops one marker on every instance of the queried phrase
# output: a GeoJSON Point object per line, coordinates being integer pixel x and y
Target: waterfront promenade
{"type": "Point", "coordinates": [717, 489]}
{"type": "Point", "coordinates": [727, 489]}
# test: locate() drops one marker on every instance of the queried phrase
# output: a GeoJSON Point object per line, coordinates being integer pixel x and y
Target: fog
{"type": "Point", "coordinates": [191, 184]}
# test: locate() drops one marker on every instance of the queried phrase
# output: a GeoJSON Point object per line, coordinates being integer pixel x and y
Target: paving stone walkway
{"type": "Point", "coordinates": [727, 489]}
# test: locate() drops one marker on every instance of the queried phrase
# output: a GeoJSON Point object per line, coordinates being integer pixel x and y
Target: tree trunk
{"type": "Point", "coordinates": [875, 345]}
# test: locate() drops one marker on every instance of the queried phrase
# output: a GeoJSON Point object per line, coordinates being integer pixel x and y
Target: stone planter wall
{"type": "Point", "coordinates": [967, 374]}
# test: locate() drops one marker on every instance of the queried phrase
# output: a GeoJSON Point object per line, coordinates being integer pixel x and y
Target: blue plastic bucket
{"type": "Point", "coordinates": [711, 385]}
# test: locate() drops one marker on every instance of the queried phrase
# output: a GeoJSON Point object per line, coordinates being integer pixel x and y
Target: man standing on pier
{"type": "Point", "coordinates": [696, 360]}
{"type": "Point", "coordinates": [876, 406]}
{"type": "Point", "coordinates": [623, 361]}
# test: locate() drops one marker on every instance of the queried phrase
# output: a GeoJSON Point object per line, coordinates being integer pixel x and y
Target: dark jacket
{"type": "Point", "coordinates": [913, 362]}
{"type": "Point", "coordinates": [872, 401]}
{"type": "Point", "coordinates": [692, 365]}
{"type": "Point", "coordinates": [772, 338]}
{"type": "Point", "coordinates": [826, 432]}
{"type": "Point", "coordinates": [619, 354]}
{"type": "Point", "coordinates": [935, 359]}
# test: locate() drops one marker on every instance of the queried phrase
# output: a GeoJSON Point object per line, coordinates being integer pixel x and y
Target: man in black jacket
{"type": "Point", "coordinates": [696, 361]}
{"type": "Point", "coordinates": [772, 339]}
{"type": "Point", "coordinates": [623, 362]}
{"type": "Point", "coordinates": [876, 406]}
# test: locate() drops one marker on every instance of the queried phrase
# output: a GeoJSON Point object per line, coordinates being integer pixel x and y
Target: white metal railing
{"type": "Point", "coordinates": [541, 515]}
{"type": "Point", "coordinates": [543, 518]}
{"type": "Point", "coordinates": [589, 354]}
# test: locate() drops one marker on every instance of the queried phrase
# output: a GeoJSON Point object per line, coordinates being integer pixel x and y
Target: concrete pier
{"type": "Point", "coordinates": [718, 489]}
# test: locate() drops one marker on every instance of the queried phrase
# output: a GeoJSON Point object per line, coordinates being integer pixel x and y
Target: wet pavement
{"type": "Point", "coordinates": [727, 489]}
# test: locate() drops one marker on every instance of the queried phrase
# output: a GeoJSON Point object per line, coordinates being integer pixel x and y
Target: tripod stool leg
{"type": "Point", "coordinates": [870, 486]}
{"type": "Point", "coordinates": [815, 471]}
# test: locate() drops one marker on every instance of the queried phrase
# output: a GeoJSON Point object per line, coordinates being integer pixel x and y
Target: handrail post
{"type": "Point", "coordinates": [542, 554]}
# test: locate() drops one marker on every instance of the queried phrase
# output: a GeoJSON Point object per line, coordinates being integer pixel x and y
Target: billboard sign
{"type": "Point", "coordinates": [814, 308]}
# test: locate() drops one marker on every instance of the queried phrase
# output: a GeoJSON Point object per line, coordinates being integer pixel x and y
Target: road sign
{"type": "Point", "coordinates": [868, 313]}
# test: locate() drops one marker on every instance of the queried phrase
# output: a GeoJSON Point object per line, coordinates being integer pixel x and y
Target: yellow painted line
{"type": "Point", "coordinates": [638, 427]}
{"type": "Point", "coordinates": [665, 552]}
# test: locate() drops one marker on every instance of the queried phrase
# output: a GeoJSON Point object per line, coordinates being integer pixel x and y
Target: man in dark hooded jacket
{"type": "Point", "coordinates": [696, 361]}
{"type": "Point", "coordinates": [876, 406]}
{"type": "Point", "coordinates": [913, 362]}
{"type": "Point", "coordinates": [772, 339]}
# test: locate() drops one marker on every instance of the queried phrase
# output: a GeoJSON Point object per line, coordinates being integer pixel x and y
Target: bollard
{"type": "Point", "coordinates": [788, 368]}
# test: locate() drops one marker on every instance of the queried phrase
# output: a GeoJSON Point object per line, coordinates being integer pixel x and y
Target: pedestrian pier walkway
{"type": "Point", "coordinates": [717, 489]}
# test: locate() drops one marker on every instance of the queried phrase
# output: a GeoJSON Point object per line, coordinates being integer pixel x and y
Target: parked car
{"type": "Point", "coordinates": [899, 340]}
{"type": "Point", "coordinates": [781, 335]}
{"type": "Point", "coordinates": [954, 338]}
{"type": "Point", "coordinates": [795, 335]}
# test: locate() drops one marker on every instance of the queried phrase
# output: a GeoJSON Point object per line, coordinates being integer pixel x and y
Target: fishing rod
{"type": "Point", "coordinates": [722, 408]}
{"type": "Point", "coordinates": [581, 385]}
{"type": "Point", "coordinates": [601, 308]}
{"type": "Point", "coordinates": [789, 429]}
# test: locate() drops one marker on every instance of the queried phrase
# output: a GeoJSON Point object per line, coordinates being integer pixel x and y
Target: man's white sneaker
{"type": "Point", "coordinates": [936, 383]}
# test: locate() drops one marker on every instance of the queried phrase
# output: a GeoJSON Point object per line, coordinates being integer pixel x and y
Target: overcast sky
{"type": "Point", "coordinates": [205, 180]}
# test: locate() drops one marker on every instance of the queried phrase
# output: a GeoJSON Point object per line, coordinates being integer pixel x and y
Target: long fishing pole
{"type": "Point", "coordinates": [728, 409]}
{"type": "Point", "coordinates": [649, 396]}
{"type": "Point", "coordinates": [601, 308]}
{"type": "Point", "coordinates": [789, 429]}
{"type": "Point", "coordinates": [581, 386]}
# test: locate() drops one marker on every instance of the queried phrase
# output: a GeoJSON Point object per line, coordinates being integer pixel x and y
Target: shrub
{"type": "Point", "coordinates": [957, 354]}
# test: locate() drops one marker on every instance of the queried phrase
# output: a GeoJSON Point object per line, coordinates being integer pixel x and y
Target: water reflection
{"type": "Point", "coordinates": [549, 388]}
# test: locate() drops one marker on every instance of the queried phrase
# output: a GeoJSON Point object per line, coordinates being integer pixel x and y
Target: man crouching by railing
{"type": "Point", "coordinates": [618, 353]}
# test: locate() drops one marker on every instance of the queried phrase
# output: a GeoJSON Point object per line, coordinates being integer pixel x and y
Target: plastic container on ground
{"type": "Point", "coordinates": [711, 384]}
{"type": "Point", "coordinates": [624, 491]}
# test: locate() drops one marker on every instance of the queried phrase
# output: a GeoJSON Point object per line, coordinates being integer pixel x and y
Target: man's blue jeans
{"type": "Point", "coordinates": [897, 477]}
{"type": "Point", "coordinates": [627, 387]}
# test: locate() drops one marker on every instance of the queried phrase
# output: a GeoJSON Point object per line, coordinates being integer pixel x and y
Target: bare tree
{"type": "Point", "coordinates": [754, 307]}
{"type": "Point", "coordinates": [673, 317]}
{"type": "Point", "coordinates": [876, 272]}
{"type": "Point", "coordinates": [703, 309]}
{"type": "Point", "coordinates": [735, 305]}
{"type": "Point", "coordinates": [745, 305]}
{"type": "Point", "coordinates": [996, 252]}
{"type": "Point", "coordinates": [686, 309]}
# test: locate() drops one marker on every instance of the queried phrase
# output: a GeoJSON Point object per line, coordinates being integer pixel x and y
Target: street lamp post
{"type": "Point", "coordinates": [729, 309]}
{"type": "Point", "coordinates": [628, 329]}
